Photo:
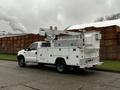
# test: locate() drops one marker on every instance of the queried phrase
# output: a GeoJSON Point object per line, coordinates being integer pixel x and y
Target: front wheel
{"type": "Point", "coordinates": [21, 62]}
{"type": "Point", "coordinates": [61, 66]}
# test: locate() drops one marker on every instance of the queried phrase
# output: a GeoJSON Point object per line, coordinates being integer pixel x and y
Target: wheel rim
{"type": "Point", "coordinates": [61, 67]}
{"type": "Point", "coordinates": [21, 62]}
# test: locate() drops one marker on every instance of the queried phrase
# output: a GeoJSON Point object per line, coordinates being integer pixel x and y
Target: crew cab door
{"type": "Point", "coordinates": [43, 52]}
{"type": "Point", "coordinates": [31, 52]}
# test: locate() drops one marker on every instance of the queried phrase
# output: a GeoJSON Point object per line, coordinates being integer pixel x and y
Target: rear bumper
{"type": "Point", "coordinates": [90, 62]}
{"type": "Point", "coordinates": [91, 65]}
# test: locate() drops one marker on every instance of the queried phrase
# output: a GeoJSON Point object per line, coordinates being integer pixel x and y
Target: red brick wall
{"type": "Point", "coordinates": [12, 45]}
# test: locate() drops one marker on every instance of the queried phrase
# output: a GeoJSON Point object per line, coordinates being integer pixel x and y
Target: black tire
{"type": "Point", "coordinates": [61, 66]}
{"type": "Point", "coordinates": [21, 62]}
{"type": "Point", "coordinates": [92, 68]}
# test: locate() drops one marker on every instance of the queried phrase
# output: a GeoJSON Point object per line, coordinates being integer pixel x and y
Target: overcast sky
{"type": "Point", "coordinates": [34, 14]}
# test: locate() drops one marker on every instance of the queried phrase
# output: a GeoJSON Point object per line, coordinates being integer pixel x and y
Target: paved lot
{"type": "Point", "coordinates": [33, 78]}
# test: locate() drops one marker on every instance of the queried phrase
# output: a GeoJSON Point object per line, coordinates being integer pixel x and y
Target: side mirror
{"type": "Point", "coordinates": [27, 49]}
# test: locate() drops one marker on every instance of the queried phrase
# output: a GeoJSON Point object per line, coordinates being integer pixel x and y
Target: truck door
{"type": "Point", "coordinates": [43, 56]}
{"type": "Point", "coordinates": [31, 52]}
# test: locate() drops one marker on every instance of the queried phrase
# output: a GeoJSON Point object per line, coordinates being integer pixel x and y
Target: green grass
{"type": "Point", "coordinates": [8, 57]}
{"type": "Point", "coordinates": [111, 65]}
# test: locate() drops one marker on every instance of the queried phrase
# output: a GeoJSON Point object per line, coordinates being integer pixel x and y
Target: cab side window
{"type": "Point", "coordinates": [33, 46]}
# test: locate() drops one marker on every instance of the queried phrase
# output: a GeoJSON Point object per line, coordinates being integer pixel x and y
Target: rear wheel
{"type": "Point", "coordinates": [61, 66]}
{"type": "Point", "coordinates": [21, 62]}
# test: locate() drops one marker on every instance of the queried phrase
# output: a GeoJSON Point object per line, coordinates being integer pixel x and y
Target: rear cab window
{"type": "Point", "coordinates": [46, 44]}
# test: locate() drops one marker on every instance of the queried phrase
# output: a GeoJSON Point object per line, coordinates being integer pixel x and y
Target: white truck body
{"type": "Point", "coordinates": [76, 50]}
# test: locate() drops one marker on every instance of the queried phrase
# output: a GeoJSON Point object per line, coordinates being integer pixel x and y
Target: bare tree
{"type": "Point", "coordinates": [111, 17]}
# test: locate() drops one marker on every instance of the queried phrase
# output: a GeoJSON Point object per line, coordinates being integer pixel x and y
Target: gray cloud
{"type": "Point", "coordinates": [62, 13]}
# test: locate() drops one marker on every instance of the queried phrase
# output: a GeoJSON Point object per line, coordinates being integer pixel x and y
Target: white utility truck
{"type": "Point", "coordinates": [63, 49]}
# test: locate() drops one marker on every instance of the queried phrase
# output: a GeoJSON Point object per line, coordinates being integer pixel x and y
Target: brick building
{"type": "Point", "coordinates": [11, 44]}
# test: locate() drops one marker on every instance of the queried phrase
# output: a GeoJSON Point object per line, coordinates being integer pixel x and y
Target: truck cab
{"type": "Point", "coordinates": [30, 54]}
